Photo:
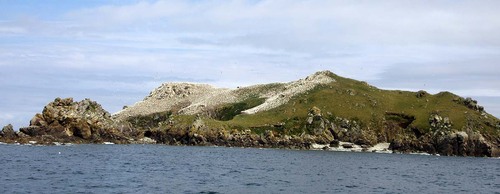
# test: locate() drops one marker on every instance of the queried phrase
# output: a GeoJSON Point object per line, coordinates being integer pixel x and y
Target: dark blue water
{"type": "Point", "coordinates": [168, 169]}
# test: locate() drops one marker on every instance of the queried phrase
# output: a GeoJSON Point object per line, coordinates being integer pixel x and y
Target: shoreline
{"type": "Point", "coordinates": [380, 148]}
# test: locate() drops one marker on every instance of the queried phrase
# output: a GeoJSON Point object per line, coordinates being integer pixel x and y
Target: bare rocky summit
{"type": "Point", "coordinates": [192, 99]}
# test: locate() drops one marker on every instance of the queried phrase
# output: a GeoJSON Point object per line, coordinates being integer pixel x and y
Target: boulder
{"type": "Point", "coordinates": [8, 132]}
{"type": "Point", "coordinates": [348, 145]}
{"type": "Point", "coordinates": [421, 94]}
{"type": "Point", "coordinates": [334, 143]}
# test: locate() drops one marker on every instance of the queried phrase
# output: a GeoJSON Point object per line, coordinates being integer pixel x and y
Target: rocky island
{"type": "Point", "coordinates": [322, 111]}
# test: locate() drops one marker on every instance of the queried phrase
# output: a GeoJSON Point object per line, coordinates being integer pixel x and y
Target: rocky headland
{"type": "Point", "coordinates": [322, 111]}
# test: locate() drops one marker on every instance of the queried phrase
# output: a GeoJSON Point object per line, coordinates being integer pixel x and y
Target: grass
{"type": "Point", "coordinates": [354, 100]}
{"type": "Point", "coordinates": [229, 111]}
{"type": "Point", "coordinates": [149, 121]}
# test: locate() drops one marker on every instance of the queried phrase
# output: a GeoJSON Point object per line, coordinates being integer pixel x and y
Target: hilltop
{"type": "Point", "coordinates": [323, 110]}
{"type": "Point", "coordinates": [193, 99]}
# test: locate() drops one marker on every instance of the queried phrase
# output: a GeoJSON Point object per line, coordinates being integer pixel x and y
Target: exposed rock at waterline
{"type": "Point", "coordinates": [65, 119]}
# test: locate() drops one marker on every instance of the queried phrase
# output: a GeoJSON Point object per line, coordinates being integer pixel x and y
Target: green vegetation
{"type": "Point", "coordinates": [353, 100]}
{"type": "Point", "coordinates": [149, 121]}
{"type": "Point", "coordinates": [229, 111]}
{"type": "Point", "coordinates": [365, 114]}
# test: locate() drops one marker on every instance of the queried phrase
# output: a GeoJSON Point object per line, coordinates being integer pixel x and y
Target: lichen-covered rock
{"type": "Point", "coordinates": [65, 118]}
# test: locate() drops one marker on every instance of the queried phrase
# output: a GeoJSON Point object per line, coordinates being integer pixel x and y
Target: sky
{"type": "Point", "coordinates": [116, 52]}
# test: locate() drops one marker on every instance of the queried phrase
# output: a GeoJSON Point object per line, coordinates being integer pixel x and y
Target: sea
{"type": "Point", "coordinates": [189, 169]}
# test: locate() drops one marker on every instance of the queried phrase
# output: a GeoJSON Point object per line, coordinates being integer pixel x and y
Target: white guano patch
{"type": "Point", "coordinates": [192, 98]}
{"type": "Point", "coordinates": [291, 89]}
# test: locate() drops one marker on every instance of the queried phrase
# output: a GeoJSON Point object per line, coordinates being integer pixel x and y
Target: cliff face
{"type": "Point", "coordinates": [321, 109]}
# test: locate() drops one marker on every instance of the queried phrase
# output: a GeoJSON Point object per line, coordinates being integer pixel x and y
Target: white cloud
{"type": "Point", "coordinates": [12, 30]}
{"type": "Point", "coordinates": [389, 22]}
{"type": "Point", "coordinates": [433, 45]}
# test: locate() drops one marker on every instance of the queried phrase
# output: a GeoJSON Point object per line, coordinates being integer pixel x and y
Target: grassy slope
{"type": "Point", "coordinates": [353, 99]}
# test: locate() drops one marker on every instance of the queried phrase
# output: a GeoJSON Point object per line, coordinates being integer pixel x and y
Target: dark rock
{"type": "Point", "coordinates": [470, 103]}
{"type": "Point", "coordinates": [32, 130]}
{"type": "Point", "coordinates": [334, 143]}
{"type": "Point", "coordinates": [447, 143]}
{"type": "Point", "coordinates": [348, 145]}
{"type": "Point", "coordinates": [8, 132]}
{"type": "Point", "coordinates": [38, 120]}
{"type": "Point", "coordinates": [421, 94]}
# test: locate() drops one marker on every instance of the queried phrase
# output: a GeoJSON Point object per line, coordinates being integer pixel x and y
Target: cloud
{"type": "Point", "coordinates": [332, 22]}
{"type": "Point", "coordinates": [467, 71]}
{"type": "Point", "coordinates": [117, 52]}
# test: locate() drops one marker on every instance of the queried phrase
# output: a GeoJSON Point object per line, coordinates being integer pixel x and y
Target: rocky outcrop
{"type": "Point", "coordinates": [65, 119]}
{"type": "Point", "coordinates": [315, 122]}
{"type": "Point", "coordinates": [421, 94]}
{"type": "Point", "coordinates": [448, 144]}
{"type": "Point", "coordinates": [232, 138]}
{"type": "Point", "coordinates": [8, 132]}
{"type": "Point", "coordinates": [469, 103]}
{"type": "Point", "coordinates": [445, 140]}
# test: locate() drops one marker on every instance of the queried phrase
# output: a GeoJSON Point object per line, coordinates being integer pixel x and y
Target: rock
{"type": "Point", "coordinates": [38, 120]}
{"type": "Point", "coordinates": [439, 123]}
{"type": "Point", "coordinates": [22, 135]}
{"type": "Point", "coordinates": [315, 122]}
{"type": "Point", "coordinates": [64, 118]}
{"type": "Point", "coordinates": [421, 94]}
{"type": "Point", "coordinates": [347, 145]}
{"type": "Point", "coordinates": [147, 140]}
{"type": "Point", "coordinates": [8, 132]}
{"type": "Point", "coordinates": [334, 143]}
{"type": "Point", "coordinates": [81, 129]}
{"type": "Point", "coordinates": [446, 143]}
{"type": "Point", "coordinates": [315, 111]}
{"type": "Point", "coordinates": [471, 104]}
{"type": "Point", "coordinates": [32, 131]}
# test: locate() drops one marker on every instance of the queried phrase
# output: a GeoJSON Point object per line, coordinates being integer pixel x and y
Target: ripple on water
{"type": "Point", "coordinates": [167, 169]}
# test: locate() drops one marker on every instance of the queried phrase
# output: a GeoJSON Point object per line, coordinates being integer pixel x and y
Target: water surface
{"type": "Point", "coordinates": [170, 169]}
